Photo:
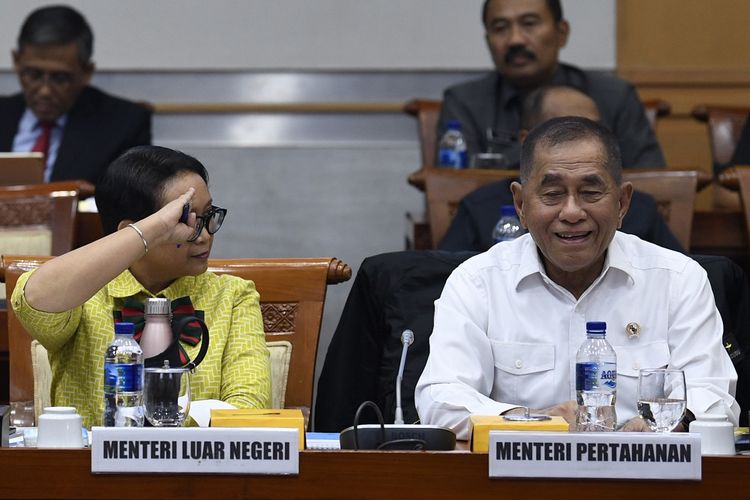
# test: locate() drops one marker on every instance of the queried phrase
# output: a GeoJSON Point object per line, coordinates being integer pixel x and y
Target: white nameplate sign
{"type": "Point", "coordinates": [211, 450]}
{"type": "Point", "coordinates": [616, 455]}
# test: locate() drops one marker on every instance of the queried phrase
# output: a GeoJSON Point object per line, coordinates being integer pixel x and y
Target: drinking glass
{"type": "Point", "coordinates": [22, 413]}
{"type": "Point", "coordinates": [166, 395]}
{"type": "Point", "coordinates": [662, 398]}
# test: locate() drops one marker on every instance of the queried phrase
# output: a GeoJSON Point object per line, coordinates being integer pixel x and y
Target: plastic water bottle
{"type": "Point", "coordinates": [508, 227]}
{"type": "Point", "coordinates": [596, 381]}
{"type": "Point", "coordinates": [452, 147]}
{"type": "Point", "coordinates": [123, 380]}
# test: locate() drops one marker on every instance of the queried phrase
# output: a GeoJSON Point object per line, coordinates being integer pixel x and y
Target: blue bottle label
{"type": "Point", "coordinates": [591, 376]}
{"type": "Point", "coordinates": [452, 158]}
{"type": "Point", "coordinates": [123, 377]}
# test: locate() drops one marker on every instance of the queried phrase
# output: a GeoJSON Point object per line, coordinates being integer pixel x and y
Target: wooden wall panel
{"type": "Point", "coordinates": [698, 40]}
{"type": "Point", "coordinates": [687, 52]}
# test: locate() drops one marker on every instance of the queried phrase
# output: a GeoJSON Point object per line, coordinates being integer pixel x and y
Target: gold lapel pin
{"type": "Point", "coordinates": [633, 330]}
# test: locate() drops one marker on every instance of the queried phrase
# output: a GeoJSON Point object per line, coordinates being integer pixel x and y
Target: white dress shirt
{"type": "Point", "coordinates": [506, 335]}
{"type": "Point", "coordinates": [28, 132]}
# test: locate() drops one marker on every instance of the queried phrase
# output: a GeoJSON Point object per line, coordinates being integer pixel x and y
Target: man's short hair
{"type": "Point", "coordinates": [133, 185]}
{"type": "Point", "coordinates": [554, 7]}
{"type": "Point", "coordinates": [567, 129]}
{"type": "Point", "coordinates": [58, 25]}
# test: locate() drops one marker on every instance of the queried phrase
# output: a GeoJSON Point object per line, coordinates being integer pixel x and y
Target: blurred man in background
{"type": "Point", "coordinates": [78, 128]}
{"type": "Point", "coordinates": [524, 38]}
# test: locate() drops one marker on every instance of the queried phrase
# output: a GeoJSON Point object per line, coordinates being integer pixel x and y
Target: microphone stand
{"type": "Point", "coordinates": [396, 435]}
{"type": "Point", "coordinates": [406, 340]}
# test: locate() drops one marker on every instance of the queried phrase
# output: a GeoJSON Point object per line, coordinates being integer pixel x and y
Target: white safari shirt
{"type": "Point", "coordinates": [506, 335]}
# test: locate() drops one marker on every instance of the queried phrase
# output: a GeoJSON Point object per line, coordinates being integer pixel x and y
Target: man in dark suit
{"type": "Point", "coordinates": [524, 38]}
{"type": "Point", "coordinates": [78, 127]}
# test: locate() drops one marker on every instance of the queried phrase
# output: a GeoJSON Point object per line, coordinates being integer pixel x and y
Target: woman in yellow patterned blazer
{"type": "Point", "coordinates": [68, 303]}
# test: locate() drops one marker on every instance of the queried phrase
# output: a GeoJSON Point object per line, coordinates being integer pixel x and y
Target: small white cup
{"type": "Point", "coordinates": [717, 434]}
{"type": "Point", "coordinates": [59, 427]}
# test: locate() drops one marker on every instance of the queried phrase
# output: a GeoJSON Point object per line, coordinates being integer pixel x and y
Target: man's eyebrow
{"type": "Point", "coordinates": [594, 180]}
{"type": "Point", "coordinates": [530, 15]}
{"type": "Point", "coordinates": [505, 18]}
{"type": "Point", "coordinates": [550, 179]}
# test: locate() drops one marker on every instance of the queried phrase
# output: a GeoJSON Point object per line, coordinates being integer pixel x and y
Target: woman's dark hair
{"type": "Point", "coordinates": [133, 185]}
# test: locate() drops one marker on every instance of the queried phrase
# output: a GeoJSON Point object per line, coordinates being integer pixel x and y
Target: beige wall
{"type": "Point", "coordinates": [305, 34]}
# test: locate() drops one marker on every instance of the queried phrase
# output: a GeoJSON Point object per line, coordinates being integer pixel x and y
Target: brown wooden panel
{"type": "Point", "coordinates": [683, 97]}
{"type": "Point", "coordinates": [693, 38]}
{"type": "Point", "coordinates": [685, 143]}
{"type": "Point", "coordinates": [351, 474]}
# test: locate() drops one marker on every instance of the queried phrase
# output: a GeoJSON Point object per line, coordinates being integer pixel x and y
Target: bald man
{"type": "Point", "coordinates": [478, 212]}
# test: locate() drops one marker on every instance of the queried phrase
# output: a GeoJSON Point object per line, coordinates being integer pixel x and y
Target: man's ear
{"type": "Point", "coordinates": [517, 189]}
{"type": "Point", "coordinates": [626, 194]}
{"type": "Point", "coordinates": [522, 135]}
{"type": "Point", "coordinates": [563, 32]}
{"type": "Point", "coordinates": [88, 72]}
{"type": "Point", "coordinates": [15, 56]}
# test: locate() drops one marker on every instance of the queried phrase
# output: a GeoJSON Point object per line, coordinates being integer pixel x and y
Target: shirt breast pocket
{"type": "Point", "coordinates": [522, 369]}
{"type": "Point", "coordinates": [630, 360]}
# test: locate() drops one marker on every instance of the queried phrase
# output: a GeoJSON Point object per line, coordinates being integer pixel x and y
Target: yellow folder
{"type": "Point", "coordinates": [481, 425]}
{"type": "Point", "coordinates": [286, 418]}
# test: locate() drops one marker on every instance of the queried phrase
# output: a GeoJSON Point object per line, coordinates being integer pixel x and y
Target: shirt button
{"type": "Point", "coordinates": [636, 366]}
{"type": "Point", "coordinates": [519, 363]}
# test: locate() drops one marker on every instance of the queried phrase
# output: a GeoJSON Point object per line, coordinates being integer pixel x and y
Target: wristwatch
{"type": "Point", "coordinates": [689, 417]}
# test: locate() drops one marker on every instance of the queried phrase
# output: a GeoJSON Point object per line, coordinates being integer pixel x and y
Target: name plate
{"type": "Point", "coordinates": [615, 455]}
{"type": "Point", "coordinates": [147, 450]}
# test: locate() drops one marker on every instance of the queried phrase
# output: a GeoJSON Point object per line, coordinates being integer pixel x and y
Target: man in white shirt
{"type": "Point", "coordinates": [509, 321]}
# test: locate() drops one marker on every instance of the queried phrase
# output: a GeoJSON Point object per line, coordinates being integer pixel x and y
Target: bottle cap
{"type": "Point", "coordinates": [454, 125]}
{"type": "Point", "coordinates": [596, 327]}
{"type": "Point", "coordinates": [508, 210]}
{"type": "Point", "coordinates": [158, 305]}
{"type": "Point", "coordinates": [124, 328]}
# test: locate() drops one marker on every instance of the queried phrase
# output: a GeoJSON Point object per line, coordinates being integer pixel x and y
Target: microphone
{"type": "Point", "coordinates": [406, 340]}
{"type": "Point", "coordinates": [396, 436]}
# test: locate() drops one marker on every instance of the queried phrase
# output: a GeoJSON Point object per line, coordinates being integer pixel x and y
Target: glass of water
{"type": "Point", "coordinates": [662, 398]}
{"type": "Point", "coordinates": [166, 395]}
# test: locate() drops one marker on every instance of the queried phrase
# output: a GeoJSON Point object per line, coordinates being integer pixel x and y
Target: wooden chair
{"type": "Point", "coordinates": [737, 178]}
{"type": "Point", "coordinates": [724, 127]}
{"type": "Point", "coordinates": [673, 190]}
{"type": "Point", "coordinates": [21, 168]}
{"type": "Point", "coordinates": [655, 109]}
{"type": "Point", "coordinates": [445, 188]}
{"type": "Point", "coordinates": [292, 293]}
{"type": "Point", "coordinates": [292, 297]}
{"type": "Point", "coordinates": [427, 112]}
{"type": "Point", "coordinates": [38, 218]}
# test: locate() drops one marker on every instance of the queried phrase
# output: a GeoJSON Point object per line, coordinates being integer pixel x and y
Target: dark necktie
{"type": "Point", "coordinates": [42, 142]}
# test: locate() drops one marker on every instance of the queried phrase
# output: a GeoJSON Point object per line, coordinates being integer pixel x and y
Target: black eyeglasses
{"type": "Point", "coordinates": [211, 220]}
{"type": "Point", "coordinates": [60, 80]}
